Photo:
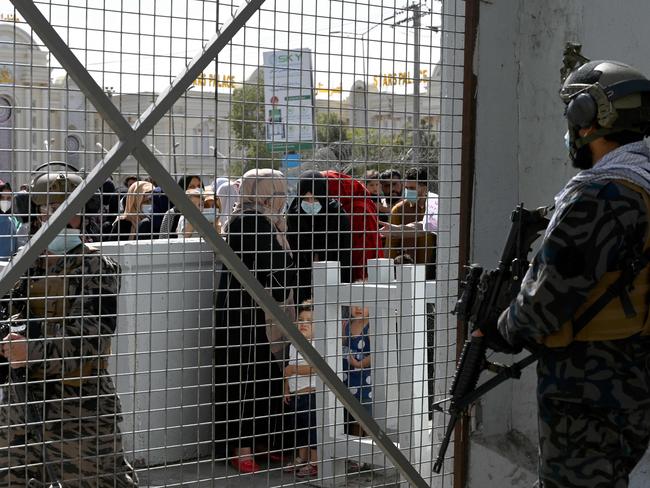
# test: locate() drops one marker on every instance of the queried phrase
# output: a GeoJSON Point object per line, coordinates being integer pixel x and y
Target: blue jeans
{"type": "Point", "coordinates": [301, 416]}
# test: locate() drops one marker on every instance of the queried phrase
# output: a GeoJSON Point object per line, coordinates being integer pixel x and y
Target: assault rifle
{"type": "Point", "coordinates": [483, 296]}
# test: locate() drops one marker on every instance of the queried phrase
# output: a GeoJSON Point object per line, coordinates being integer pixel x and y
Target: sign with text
{"type": "Point", "coordinates": [401, 78]}
{"type": "Point", "coordinates": [288, 100]}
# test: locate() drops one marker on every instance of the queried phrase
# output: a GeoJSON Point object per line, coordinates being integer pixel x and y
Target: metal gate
{"type": "Point", "coordinates": [366, 96]}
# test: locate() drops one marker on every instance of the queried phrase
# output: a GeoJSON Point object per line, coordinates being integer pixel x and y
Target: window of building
{"type": "Point", "coordinates": [203, 138]}
{"type": "Point", "coordinates": [72, 149]}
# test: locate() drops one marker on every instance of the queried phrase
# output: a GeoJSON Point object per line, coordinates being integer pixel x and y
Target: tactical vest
{"type": "Point", "coordinates": [611, 322]}
{"type": "Point", "coordinates": [48, 300]}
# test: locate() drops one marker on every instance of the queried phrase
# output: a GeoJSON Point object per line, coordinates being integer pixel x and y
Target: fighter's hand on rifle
{"type": "Point", "coordinates": [493, 338]}
{"type": "Point", "coordinates": [14, 348]}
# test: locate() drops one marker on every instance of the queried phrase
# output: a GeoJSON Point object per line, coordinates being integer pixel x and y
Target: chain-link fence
{"type": "Point", "coordinates": [230, 238]}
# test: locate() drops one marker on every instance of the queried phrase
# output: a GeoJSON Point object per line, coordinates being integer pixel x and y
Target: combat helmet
{"type": "Point", "coordinates": [53, 182]}
{"type": "Point", "coordinates": [608, 94]}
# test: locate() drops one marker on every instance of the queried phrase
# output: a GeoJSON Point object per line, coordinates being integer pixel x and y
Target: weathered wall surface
{"type": "Point", "coordinates": [520, 157]}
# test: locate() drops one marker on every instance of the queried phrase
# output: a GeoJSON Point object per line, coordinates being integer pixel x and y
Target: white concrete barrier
{"type": "Point", "coordinates": [163, 352]}
{"type": "Point", "coordinates": [399, 378]}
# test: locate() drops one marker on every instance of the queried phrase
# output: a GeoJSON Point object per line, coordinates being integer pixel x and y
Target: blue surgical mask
{"type": "Point", "coordinates": [567, 140]}
{"type": "Point", "coordinates": [65, 241]}
{"type": "Point", "coordinates": [209, 213]}
{"type": "Point", "coordinates": [311, 208]}
{"type": "Point", "coordinates": [410, 195]}
{"type": "Point", "coordinates": [146, 209]}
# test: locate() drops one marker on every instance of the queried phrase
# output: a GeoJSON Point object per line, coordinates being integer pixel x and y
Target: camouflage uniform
{"type": "Point", "coordinates": [593, 396]}
{"type": "Point", "coordinates": [81, 415]}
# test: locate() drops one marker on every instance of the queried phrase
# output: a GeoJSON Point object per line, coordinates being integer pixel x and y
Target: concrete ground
{"type": "Point", "coordinates": [208, 473]}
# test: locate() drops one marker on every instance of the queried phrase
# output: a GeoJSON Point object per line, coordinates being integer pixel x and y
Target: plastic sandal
{"type": "Point", "coordinates": [294, 465]}
{"type": "Point", "coordinates": [355, 467]}
{"type": "Point", "coordinates": [245, 465]}
{"type": "Point", "coordinates": [308, 471]}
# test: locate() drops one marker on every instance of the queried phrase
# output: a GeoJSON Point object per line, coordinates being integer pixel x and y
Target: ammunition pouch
{"type": "Point", "coordinates": [91, 369]}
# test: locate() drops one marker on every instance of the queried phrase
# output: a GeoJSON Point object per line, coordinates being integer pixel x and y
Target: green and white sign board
{"type": "Point", "coordinates": [288, 100]}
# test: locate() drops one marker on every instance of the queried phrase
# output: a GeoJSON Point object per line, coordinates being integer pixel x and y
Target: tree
{"type": "Point", "coordinates": [429, 150]}
{"type": "Point", "coordinates": [247, 122]}
{"type": "Point", "coordinates": [394, 149]}
{"type": "Point", "coordinates": [330, 128]}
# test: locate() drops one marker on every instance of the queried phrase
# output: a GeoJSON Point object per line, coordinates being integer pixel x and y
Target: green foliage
{"type": "Point", "coordinates": [330, 128]}
{"type": "Point", "coordinates": [375, 147]}
{"type": "Point", "coordinates": [394, 150]}
{"type": "Point", "coordinates": [247, 123]}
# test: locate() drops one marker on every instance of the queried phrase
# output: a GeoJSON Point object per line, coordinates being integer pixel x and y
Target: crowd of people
{"type": "Point", "coordinates": [356, 219]}
{"type": "Point", "coordinates": [263, 386]}
{"type": "Point", "coordinates": [333, 217]}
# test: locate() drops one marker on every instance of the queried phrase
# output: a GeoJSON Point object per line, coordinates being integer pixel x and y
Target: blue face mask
{"type": "Point", "coordinates": [410, 195]}
{"type": "Point", "coordinates": [65, 241]}
{"type": "Point", "coordinates": [146, 209]}
{"type": "Point", "coordinates": [311, 208]}
{"type": "Point", "coordinates": [209, 213]}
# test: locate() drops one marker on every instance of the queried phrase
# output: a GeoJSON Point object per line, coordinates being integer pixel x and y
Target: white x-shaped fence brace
{"type": "Point", "coordinates": [131, 142]}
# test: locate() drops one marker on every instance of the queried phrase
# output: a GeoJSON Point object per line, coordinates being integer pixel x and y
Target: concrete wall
{"type": "Point", "coordinates": [162, 357]}
{"type": "Point", "coordinates": [520, 157]}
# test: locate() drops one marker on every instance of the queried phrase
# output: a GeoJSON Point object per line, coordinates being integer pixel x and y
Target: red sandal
{"type": "Point", "coordinates": [246, 465]}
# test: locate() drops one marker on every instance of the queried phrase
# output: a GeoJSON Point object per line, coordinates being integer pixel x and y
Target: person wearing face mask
{"type": "Point", "coordinates": [10, 225]}
{"type": "Point", "coordinates": [211, 208]}
{"type": "Point", "coordinates": [413, 208]}
{"type": "Point", "coordinates": [318, 229]}
{"type": "Point", "coordinates": [185, 227]}
{"type": "Point", "coordinates": [249, 352]}
{"type": "Point", "coordinates": [169, 222]}
{"type": "Point", "coordinates": [584, 297]}
{"type": "Point", "coordinates": [58, 351]}
{"type": "Point", "coordinates": [138, 207]}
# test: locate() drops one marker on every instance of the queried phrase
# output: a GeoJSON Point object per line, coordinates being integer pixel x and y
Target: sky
{"type": "Point", "coordinates": [139, 46]}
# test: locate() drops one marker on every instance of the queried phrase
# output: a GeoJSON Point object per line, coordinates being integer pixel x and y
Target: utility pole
{"type": "Point", "coordinates": [416, 84]}
{"type": "Point", "coordinates": [174, 144]}
{"type": "Point", "coordinates": [417, 14]}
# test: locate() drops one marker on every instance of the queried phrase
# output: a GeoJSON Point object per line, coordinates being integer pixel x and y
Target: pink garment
{"type": "Point", "coordinates": [430, 219]}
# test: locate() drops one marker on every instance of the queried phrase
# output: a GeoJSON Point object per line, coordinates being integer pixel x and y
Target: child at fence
{"type": "Point", "coordinates": [300, 398]}
{"type": "Point", "coordinates": [356, 362]}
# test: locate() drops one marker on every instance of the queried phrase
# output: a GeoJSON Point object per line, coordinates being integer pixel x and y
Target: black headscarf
{"type": "Point", "coordinates": [184, 181]}
{"type": "Point", "coordinates": [325, 236]}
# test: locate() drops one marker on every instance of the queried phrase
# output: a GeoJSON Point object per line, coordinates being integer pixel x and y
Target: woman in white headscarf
{"type": "Point", "coordinates": [228, 194]}
{"type": "Point", "coordinates": [249, 384]}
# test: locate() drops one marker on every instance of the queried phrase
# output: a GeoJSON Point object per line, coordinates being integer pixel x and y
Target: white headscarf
{"type": "Point", "coordinates": [228, 194]}
{"type": "Point", "coordinates": [256, 192]}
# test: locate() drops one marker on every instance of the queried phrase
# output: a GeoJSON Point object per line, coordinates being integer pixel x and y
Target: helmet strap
{"type": "Point", "coordinates": [583, 141]}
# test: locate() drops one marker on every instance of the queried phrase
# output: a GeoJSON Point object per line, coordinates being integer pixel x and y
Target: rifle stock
{"type": "Point", "coordinates": [484, 295]}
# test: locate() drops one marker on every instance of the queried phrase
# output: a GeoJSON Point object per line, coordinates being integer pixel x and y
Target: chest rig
{"type": "Point", "coordinates": [50, 301]}
{"type": "Point", "coordinates": [618, 307]}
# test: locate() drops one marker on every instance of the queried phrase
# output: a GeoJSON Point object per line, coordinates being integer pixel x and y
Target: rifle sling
{"type": "Point", "coordinates": [618, 289]}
